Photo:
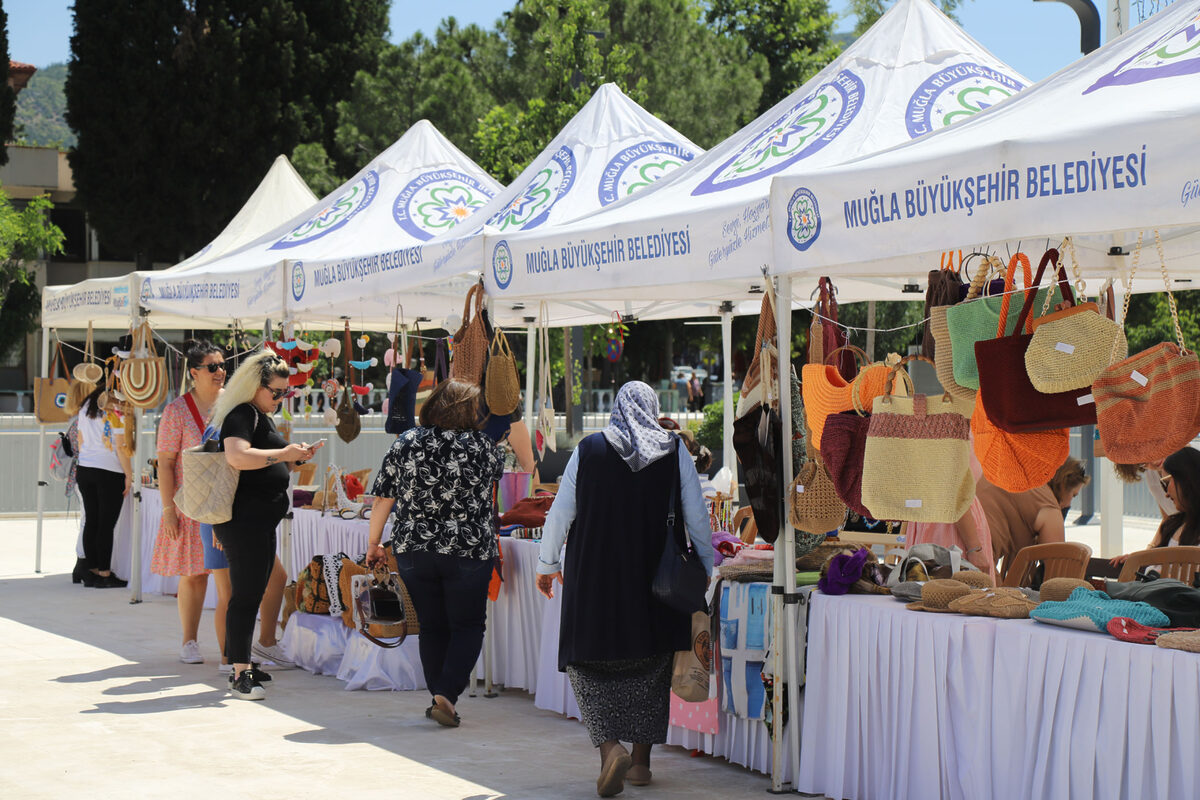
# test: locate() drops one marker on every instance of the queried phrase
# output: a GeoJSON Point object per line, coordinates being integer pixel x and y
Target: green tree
{"type": "Point", "coordinates": [8, 98]}
{"type": "Point", "coordinates": [41, 109]}
{"type": "Point", "coordinates": [794, 36]}
{"type": "Point", "coordinates": [1149, 321]}
{"type": "Point", "coordinates": [26, 236]}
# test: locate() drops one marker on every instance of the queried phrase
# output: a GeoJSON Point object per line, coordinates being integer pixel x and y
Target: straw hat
{"type": "Point", "coordinates": [1183, 640]}
{"type": "Point", "coordinates": [1056, 590]}
{"type": "Point", "coordinates": [1002, 603]}
{"type": "Point", "coordinates": [937, 595]}
{"type": "Point", "coordinates": [974, 578]}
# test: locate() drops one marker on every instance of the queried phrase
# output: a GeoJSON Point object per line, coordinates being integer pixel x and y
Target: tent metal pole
{"type": "Point", "coordinates": [1112, 493]}
{"type": "Point", "coordinates": [730, 458]}
{"type": "Point", "coordinates": [135, 490]}
{"type": "Point", "coordinates": [41, 472]}
{"type": "Point", "coordinates": [530, 354]}
{"type": "Point", "coordinates": [285, 535]}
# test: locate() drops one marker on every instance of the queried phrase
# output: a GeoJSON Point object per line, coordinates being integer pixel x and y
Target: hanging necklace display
{"type": "Point", "coordinates": [616, 338]}
{"type": "Point", "coordinates": [362, 364]}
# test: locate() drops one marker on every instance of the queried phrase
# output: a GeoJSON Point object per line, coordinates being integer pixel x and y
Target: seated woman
{"type": "Point", "coordinates": [1019, 520]}
{"type": "Point", "coordinates": [1182, 486]}
{"type": "Point", "coordinates": [970, 534]}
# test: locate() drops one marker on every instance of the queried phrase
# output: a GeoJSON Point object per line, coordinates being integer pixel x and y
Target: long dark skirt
{"type": "Point", "coordinates": [629, 701]}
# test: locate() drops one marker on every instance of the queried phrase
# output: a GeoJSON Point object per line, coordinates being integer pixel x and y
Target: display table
{"type": "Point", "coordinates": [928, 705]}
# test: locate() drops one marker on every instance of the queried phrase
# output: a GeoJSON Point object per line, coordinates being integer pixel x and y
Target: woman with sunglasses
{"type": "Point", "coordinates": [1181, 485]}
{"type": "Point", "coordinates": [179, 549]}
{"type": "Point", "coordinates": [254, 446]}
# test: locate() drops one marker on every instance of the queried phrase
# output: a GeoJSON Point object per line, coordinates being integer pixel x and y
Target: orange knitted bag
{"type": "Point", "coordinates": [826, 392]}
{"type": "Point", "coordinates": [1017, 462]}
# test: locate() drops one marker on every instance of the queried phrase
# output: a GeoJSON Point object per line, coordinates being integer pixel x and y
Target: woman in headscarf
{"type": "Point", "coordinates": [616, 640]}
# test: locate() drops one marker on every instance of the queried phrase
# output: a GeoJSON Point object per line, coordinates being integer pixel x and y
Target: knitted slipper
{"type": "Point", "coordinates": [612, 774]}
{"type": "Point", "coordinates": [1128, 630]}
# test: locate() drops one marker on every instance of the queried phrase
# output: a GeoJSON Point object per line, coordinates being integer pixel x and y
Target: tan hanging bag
{"type": "Point", "coordinates": [471, 341]}
{"type": "Point", "coordinates": [502, 390]}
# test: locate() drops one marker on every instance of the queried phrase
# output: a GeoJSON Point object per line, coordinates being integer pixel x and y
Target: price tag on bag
{"type": "Point", "coordinates": [799, 488]}
{"type": "Point", "coordinates": [912, 503]}
{"type": "Point", "coordinates": [1063, 347]}
{"type": "Point", "coordinates": [1139, 378]}
{"type": "Point", "coordinates": [1084, 399]}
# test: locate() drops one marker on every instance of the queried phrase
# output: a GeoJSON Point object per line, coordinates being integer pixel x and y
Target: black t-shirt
{"type": "Point", "coordinates": [261, 492]}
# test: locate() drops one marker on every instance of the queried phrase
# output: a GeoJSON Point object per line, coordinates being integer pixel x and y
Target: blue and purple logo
{"type": "Point", "coordinates": [1175, 53]}
{"type": "Point", "coordinates": [955, 93]}
{"type": "Point", "coordinates": [438, 201]}
{"type": "Point", "coordinates": [335, 215]}
{"type": "Point", "coordinates": [638, 166]}
{"type": "Point", "coordinates": [532, 206]}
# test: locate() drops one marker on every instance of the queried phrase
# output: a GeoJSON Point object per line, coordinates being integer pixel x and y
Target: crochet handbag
{"type": "Point", "coordinates": [833, 337]}
{"type": "Point", "coordinates": [1070, 348]}
{"type": "Point", "coordinates": [380, 602]}
{"type": "Point", "coordinates": [50, 393]}
{"type": "Point", "coordinates": [813, 502]}
{"type": "Point", "coordinates": [826, 392]}
{"type": "Point", "coordinates": [843, 445]}
{"type": "Point", "coordinates": [1011, 402]}
{"type": "Point", "coordinates": [1017, 462]}
{"type": "Point", "coordinates": [348, 422]}
{"type": "Point", "coordinates": [502, 388]}
{"type": "Point", "coordinates": [144, 377]}
{"type": "Point", "coordinates": [1148, 405]}
{"type": "Point", "coordinates": [979, 319]}
{"type": "Point", "coordinates": [944, 288]}
{"type": "Point", "coordinates": [470, 341]}
{"type": "Point", "coordinates": [88, 370]}
{"type": "Point", "coordinates": [917, 461]}
{"type": "Point", "coordinates": [208, 486]}
{"type": "Point", "coordinates": [944, 362]}
{"type": "Point", "coordinates": [757, 440]}
{"type": "Point", "coordinates": [751, 392]}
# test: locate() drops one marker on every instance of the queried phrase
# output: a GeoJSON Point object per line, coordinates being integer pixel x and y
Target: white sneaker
{"type": "Point", "coordinates": [272, 656]}
{"type": "Point", "coordinates": [224, 669]}
{"type": "Point", "coordinates": [190, 653]}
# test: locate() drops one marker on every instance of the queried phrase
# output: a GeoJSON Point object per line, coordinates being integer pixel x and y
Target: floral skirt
{"type": "Point", "coordinates": [181, 556]}
{"type": "Point", "coordinates": [629, 701]}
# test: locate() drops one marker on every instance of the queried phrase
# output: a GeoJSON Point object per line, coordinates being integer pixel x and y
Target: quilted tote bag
{"type": "Point", "coordinates": [1012, 404]}
{"type": "Point", "coordinates": [814, 504]}
{"type": "Point", "coordinates": [1070, 348]}
{"type": "Point", "coordinates": [50, 394]}
{"type": "Point", "coordinates": [88, 371]}
{"type": "Point", "coordinates": [471, 341]}
{"type": "Point", "coordinates": [144, 377]}
{"type": "Point", "coordinates": [1148, 405]}
{"type": "Point", "coordinates": [979, 319]}
{"type": "Point", "coordinates": [1017, 462]}
{"type": "Point", "coordinates": [209, 484]}
{"type": "Point", "coordinates": [502, 388]}
{"type": "Point", "coordinates": [917, 461]}
{"type": "Point", "coordinates": [826, 392]}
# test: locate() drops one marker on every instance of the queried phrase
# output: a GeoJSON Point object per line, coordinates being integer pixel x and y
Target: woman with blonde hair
{"type": "Point", "coordinates": [254, 446]}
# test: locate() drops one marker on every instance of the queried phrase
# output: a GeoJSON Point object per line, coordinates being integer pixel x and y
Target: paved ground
{"type": "Point", "coordinates": [97, 705]}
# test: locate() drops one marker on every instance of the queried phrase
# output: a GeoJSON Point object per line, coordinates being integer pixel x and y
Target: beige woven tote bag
{"type": "Point", "coordinates": [502, 387]}
{"type": "Point", "coordinates": [209, 483]}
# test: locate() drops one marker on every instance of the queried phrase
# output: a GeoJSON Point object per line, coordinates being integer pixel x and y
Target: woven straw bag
{"type": "Point", "coordinates": [502, 389]}
{"type": "Point", "coordinates": [1148, 405]}
{"type": "Point", "coordinates": [144, 377]}
{"type": "Point", "coordinates": [814, 504]}
{"type": "Point", "coordinates": [208, 486]}
{"type": "Point", "coordinates": [826, 392]}
{"type": "Point", "coordinates": [50, 394]}
{"type": "Point", "coordinates": [944, 362]}
{"type": "Point", "coordinates": [943, 288]}
{"type": "Point", "coordinates": [917, 461]}
{"type": "Point", "coordinates": [471, 341]}
{"type": "Point", "coordinates": [1017, 462]}
{"type": "Point", "coordinates": [1070, 348]}
{"type": "Point", "coordinates": [544, 437]}
{"type": "Point", "coordinates": [88, 371]}
{"type": "Point", "coordinates": [978, 320]}
{"type": "Point", "coordinates": [767, 333]}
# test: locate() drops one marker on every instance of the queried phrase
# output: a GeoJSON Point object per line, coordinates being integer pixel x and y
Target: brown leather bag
{"type": "Point", "coordinates": [471, 341]}
{"type": "Point", "coordinates": [50, 393]}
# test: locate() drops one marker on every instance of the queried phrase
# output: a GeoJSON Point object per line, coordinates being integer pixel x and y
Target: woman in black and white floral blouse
{"type": "Point", "coordinates": [440, 477]}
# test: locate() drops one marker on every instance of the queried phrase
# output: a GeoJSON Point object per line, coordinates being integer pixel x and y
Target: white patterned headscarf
{"type": "Point", "coordinates": [633, 428]}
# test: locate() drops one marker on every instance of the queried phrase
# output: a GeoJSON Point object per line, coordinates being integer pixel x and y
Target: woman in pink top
{"type": "Point", "coordinates": [970, 534]}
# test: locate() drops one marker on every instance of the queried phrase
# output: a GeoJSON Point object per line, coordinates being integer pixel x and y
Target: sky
{"type": "Point", "coordinates": [1035, 38]}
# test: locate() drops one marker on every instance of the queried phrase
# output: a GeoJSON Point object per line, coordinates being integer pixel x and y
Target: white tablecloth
{"type": "Point", "coordinates": [317, 535]}
{"type": "Point", "coordinates": [323, 645]}
{"type": "Point", "coordinates": [926, 705]}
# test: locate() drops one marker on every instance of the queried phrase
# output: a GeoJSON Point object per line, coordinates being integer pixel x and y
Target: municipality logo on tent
{"type": "Point", "coordinates": [502, 264]}
{"type": "Point", "coordinates": [147, 292]}
{"type": "Point", "coordinates": [955, 93]}
{"type": "Point", "coordinates": [1175, 53]}
{"type": "Point", "coordinates": [297, 280]}
{"type": "Point", "coordinates": [336, 214]}
{"type": "Point", "coordinates": [804, 219]}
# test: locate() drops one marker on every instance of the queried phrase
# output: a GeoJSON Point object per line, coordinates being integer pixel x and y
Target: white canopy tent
{"type": "Point", "coordinates": [703, 232]}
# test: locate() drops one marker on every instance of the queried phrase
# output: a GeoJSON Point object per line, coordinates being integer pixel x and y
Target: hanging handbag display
{"type": "Point", "coordinates": [1148, 405]}
{"type": "Point", "coordinates": [826, 392]}
{"type": "Point", "coordinates": [88, 371]}
{"type": "Point", "coordinates": [758, 443]}
{"type": "Point", "coordinates": [979, 319]}
{"type": "Point", "coordinates": [441, 370]}
{"type": "Point", "coordinates": [381, 603]}
{"type": "Point", "coordinates": [833, 337]}
{"type": "Point", "coordinates": [348, 422]}
{"type": "Point", "coordinates": [843, 446]}
{"type": "Point", "coordinates": [944, 288]}
{"type": "Point", "coordinates": [50, 393]}
{"type": "Point", "coordinates": [1070, 348]}
{"type": "Point", "coordinates": [1017, 462]}
{"type": "Point", "coordinates": [813, 503]}
{"type": "Point", "coordinates": [917, 461]}
{"type": "Point", "coordinates": [751, 393]}
{"type": "Point", "coordinates": [502, 387]}
{"type": "Point", "coordinates": [1011, 402]}
{"type": "Point", "coordinates": [471, 341]}
{"type": "Point", "coordinates": [144, 376]}
{"type": "Point", "coordinates": [403, 384]}
{"type": "Point", "coordinates": [544, 436]}
{"type": "Point", "coordinates": [679, 581]}
{"type": "Point", "coordinates": [209, 483]}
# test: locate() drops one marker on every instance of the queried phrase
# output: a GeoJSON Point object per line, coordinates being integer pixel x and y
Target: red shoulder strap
{"type": "Point", "coordinates": [191, 404]}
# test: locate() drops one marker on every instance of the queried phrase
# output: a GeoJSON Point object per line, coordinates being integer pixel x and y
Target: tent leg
{"type": "Point", "coordinates": [41, 472]}
{"type": "Point", "coordinates": [727, 394]}
{"type": "Point", "coordinates": [489, 643]}
{"type": "Point", "coordinates": [135, 498]}
{"type": "Point", "coordinates": [530, 353]}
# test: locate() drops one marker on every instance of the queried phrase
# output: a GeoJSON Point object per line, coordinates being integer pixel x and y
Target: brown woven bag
{"type": "Point", "coordinates": [471, 341]}
{"type": "Point", "coordinates": [813, 501]}
{"type": "Point", "coordinates": [502, 389]}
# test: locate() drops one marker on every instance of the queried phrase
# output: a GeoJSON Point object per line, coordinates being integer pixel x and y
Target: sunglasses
{"type": "Point", "coordinates": [212, 368]}
{"type": "Point", "coordinates": [279, 394]}
{"type": "Point", "coordinates": [1164, 482]}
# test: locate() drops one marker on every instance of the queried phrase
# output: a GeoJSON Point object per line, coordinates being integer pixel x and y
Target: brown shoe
{"type": "Point", "coordinates": [612, 774]}
{"type": "Point", "coordinates": [638, 775]}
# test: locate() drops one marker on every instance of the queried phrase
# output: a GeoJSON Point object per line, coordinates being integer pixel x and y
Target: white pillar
{"type": "Point", "coordinates": [41, 471]}
{"type": "Point", "coordinates": [727, 403]}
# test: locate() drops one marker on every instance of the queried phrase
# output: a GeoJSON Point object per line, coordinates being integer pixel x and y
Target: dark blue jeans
{"type": "Point", "coordinates": [450, 596]}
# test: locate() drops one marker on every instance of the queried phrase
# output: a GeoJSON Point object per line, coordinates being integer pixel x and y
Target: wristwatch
{"type": "Point", "coordinates": [978, 549]}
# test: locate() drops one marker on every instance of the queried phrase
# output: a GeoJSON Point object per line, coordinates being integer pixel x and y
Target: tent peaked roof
{"type": "Point", "coordinates": [281, 195]}
{"type": "Point", "coordinates": [1105, 145]}
{"type": "Point", "coordinates": [913, 72]}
